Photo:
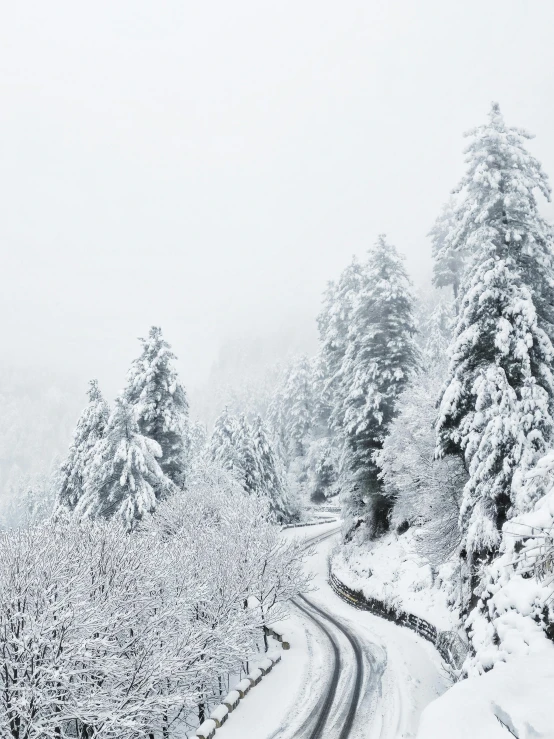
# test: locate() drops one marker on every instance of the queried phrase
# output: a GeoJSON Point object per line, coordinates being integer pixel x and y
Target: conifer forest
{"type": "Point", "coordinates": [315, 498]}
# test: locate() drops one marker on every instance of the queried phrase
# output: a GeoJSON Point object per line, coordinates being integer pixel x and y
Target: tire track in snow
{"type": "Point", "coordinates": [321, 712]}
{"type": "Point", "coordinates": [358, 675]}
{"type": "Point", "coordinates": [319, 717]}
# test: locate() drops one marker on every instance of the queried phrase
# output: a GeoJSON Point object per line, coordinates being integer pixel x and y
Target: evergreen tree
{"type": "Point", "coordinates": [496, 408]}
{"type": "Point", "coordinates": [125, 478]}
{"type": "Point", "coordinates": [269, 480]}
{"type": "Point", "coordinates": [499, 205]}
{"type": "Point", "coordinates": [333, 324]}
{"type": "Point", "coordinates": [380, 356]}
{"type": "Point", "coordinates": [448, 261]}
{"type": "Point", "coordinates": [161, 402]}
{"type": "Point", "coordinates": [322, 468]}
{"type": "Point", "coordinates": [198, 442]}
{"type": "Point", "coordinates": [435, 333]}
{"type": "Point", "coordinates": [291, 411]}
{"type": "Point", "coordinates": [299, 398]}
{"type": "Point", "coordinates": [247, 454]}
{"type": "Point", "coordinates": [224, 447]}
{"type": "Point", "coordinates": [90, 429]}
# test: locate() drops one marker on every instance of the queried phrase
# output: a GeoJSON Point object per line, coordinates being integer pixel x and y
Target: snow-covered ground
{"type": "Point", "coordinates": [390, 570]}
{"type": "Point", "coordinates": [515, 697]}
{"type": "Point", "coordinates": [401, 672]}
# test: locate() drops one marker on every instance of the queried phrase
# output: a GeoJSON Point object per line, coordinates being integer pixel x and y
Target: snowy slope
{"type": "Point", "coordinates": [515, 697]}
{"type": "Point", "coordinates": [390, 570]}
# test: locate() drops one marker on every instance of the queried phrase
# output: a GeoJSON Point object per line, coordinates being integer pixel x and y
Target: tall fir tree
{"type": "Point", "coordinates": [290, 414]}
{"type": "Point", "coordinates": [90, 429]}
{"type": "Point", "coordinates": [247, 454]}
{"type": "Point", "coordinates": [448, 258]}
{"type": "Point", "coordinates": [224, 446]}
{"type": "Point", "coordinates": [496, 408]}
{"type": "Point", "coordinates": [270, 480]}
{"type": "Point", "coordinates": [333, 325]}
{"type": "Point", "coordinates": [125, 478]}
{"type": "Point", "coordinates": [381, 355]}
{"type": "Point", "coordinates": [499, 202]}
{"type": "Point", "coordinates": [161, 402]}
{"type": "Point", "coordinates": [435, 333]}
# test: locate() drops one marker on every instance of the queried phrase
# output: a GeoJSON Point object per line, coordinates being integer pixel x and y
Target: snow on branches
{"type": "Point", "coordinates": [161, 401]}
{"type": "Point", "coordinates": [244, 449]}
{"type": "Point", "coordinates": [117, 635]}
{"type": "Point", "coordinates": [497, 402]}
{"type": "Point", "coordinates": [125, 478]}
{"type": "Point", "coordinates": [90, 429]}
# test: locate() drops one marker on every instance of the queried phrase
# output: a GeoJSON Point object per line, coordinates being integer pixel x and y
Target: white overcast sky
{"type": "Point", "coordinates": [207, 166]}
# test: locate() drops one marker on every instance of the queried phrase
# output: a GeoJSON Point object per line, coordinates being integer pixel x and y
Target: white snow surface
{"type": "Point", "coordinates": [402, 672]}
{"type": "Point", "coordinates": [390, 570]}
{"type": "Point", "coordinates": [517, 694]}
{"type": "Point", "coordinates": [219, 712]}
{"type": "Point", "coordinates": [206, 728]}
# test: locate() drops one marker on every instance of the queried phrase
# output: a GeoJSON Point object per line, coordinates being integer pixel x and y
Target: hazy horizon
{"type": "Point", "coordinates": [208, 168]}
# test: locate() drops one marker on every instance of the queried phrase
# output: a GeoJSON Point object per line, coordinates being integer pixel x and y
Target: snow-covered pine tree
{"type": "Point", "coordinates": [125, 478]}
{"type": "Point", "coordinates": [224, 447]}
{"type": "Point", "coordinates": [496, 408]}
{"type": "Point", "coordinates": [380, 357]}
{"type": "Point", "coordinates": [198, 442]}
{"type": "Point", "coordinates": [499, 192]}
{"type": "Point", "coordinates": [90, 429]}
{"type": "Point", "coordinates": [435, 334]}
{"type": "Point", "coordinates": [247, 454]}
{"type": "Point", "coordinates": [161, 402]}
{"type": "Point", "coordinates": [290, 414]}
{"type": "Point", "coordinates": [300, 401]}
{"type": "Point", "coordinates": [448, 260]}
{"type": "Point", "coordinates": [269, 479]}
{"type": "Point", "coordinates": [333, 323]}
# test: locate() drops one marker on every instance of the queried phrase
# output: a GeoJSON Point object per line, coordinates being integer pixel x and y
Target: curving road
{"type": "Point", "coordinates": [331, 703]}
{"type": "Point", "coordinates": [362, 676]}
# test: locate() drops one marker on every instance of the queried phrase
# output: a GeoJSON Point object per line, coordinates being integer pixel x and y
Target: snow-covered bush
{"type": "Point", "coordinates": [121, 635]}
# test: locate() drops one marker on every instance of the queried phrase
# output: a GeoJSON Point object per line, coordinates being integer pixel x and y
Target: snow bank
{"type": "Point", "coordinates": [255, 676]}
{"type": "Point", "coordinates": [515, 696]}
{"type": "Point", "coordinates": [219, 714]}
{"type": "Point", "coordinates": [266, 665]}
{"type": "Point", "coordinates": [206, 730]}
{"type": "Point", "coordinates": [390, 570]}
{"type": "Point", "coordinates": [243, 687]}
{"type": "Point", "coordinates": [231, 700]}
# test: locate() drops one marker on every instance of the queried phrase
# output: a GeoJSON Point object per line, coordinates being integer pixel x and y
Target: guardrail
{"type": "Point", "coordinates": [309, 523]}
{"type": "Point", "coordinates": [449, 644]}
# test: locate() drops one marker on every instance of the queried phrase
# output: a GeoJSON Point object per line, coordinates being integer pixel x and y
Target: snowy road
{"type": "Point", "coordinates": [348, 673]}
{"type": "Point", "coordinates": [324, 714]}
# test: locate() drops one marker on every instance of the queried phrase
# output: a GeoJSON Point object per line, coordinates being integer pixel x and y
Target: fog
{"type": "Point", "coordinates": [209, 166]}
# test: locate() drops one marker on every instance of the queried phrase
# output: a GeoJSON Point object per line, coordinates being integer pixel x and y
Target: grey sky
{"type": "Point", "coordinates": [207, 166]}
